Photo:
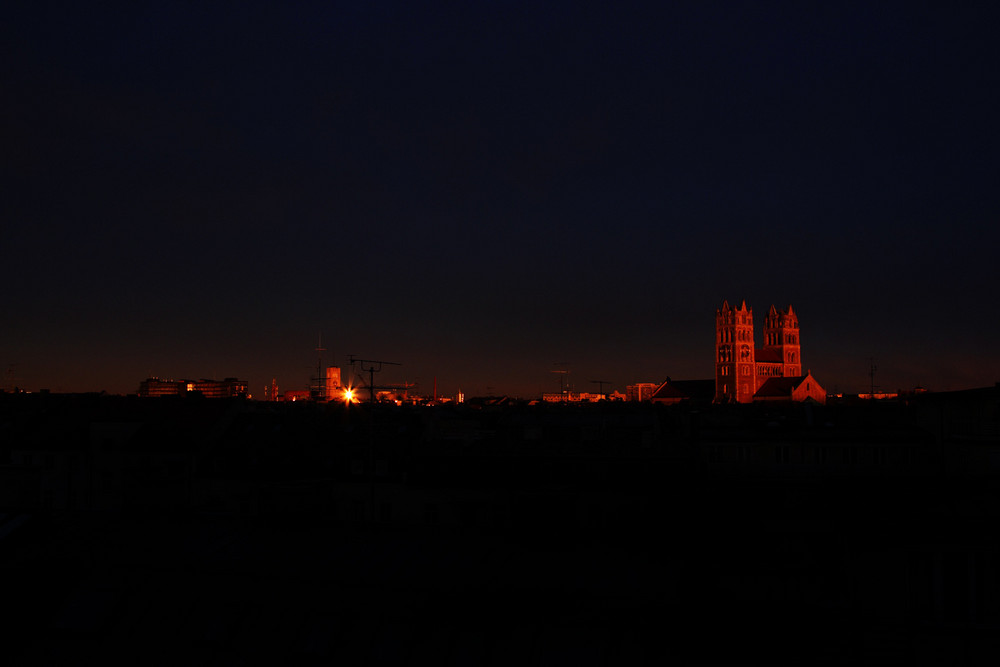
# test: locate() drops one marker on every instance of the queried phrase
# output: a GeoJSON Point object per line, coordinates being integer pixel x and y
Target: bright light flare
{"type": "Point", "coordinates": [349, 396]}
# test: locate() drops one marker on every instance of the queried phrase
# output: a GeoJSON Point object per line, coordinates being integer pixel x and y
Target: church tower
{"type": "Point", "coordinates": [781, 333]}
{"type": "Point", "coordinates": [734, 360]}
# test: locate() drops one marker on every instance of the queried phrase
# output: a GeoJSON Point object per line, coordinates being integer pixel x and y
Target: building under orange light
{"type": "Point", "coordinates": [228, 388]}
{"type": "Point", "coordinates": [745, 373]}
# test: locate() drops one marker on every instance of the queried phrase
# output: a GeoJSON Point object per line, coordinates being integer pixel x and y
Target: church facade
{"type": "Point", "coordinates": [744, 372]}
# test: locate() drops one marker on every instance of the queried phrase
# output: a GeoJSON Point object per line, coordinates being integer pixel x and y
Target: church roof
{"type": "Point", "coordinates": [680, 389]}
{"type": "Point", "coordinates": [775, 387]}
{"type": "Point", "coordinates": [667, 390]}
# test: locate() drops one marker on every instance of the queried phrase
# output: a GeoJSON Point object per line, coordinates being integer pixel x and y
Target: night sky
{"type": "Point", "coordinates": [481, 190]}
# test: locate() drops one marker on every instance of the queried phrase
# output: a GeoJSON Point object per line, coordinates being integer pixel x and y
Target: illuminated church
{"type": "Point", "coordinates": [745, 373]}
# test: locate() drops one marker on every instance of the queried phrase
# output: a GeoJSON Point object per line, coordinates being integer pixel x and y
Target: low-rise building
{"type": "Point", "coordinates": [228, 388]}
{"type": "Point", "coordinates": [641, 391]}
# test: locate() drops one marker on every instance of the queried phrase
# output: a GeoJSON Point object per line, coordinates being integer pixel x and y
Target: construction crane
{"type": "Point", "coordinates": [871, 374]}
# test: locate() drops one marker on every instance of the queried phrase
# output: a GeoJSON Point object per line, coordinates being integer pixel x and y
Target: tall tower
{"type": "Point", "coordinates": [734, 354]}
{"type": "Point", "coordinates": [781, 333]}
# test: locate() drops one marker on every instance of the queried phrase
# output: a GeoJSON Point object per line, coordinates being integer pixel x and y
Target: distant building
{"type": "Point", "coordinates": [293, 395]}
{"type": "Point", "coordinates": [641, 391]}
{"type": "Point", "coordinates": [151, 387]}
{"type": "Point", "coordinates": [328, 387]}
{"type": "Point", "coordinates": [742, 369]}
{"type": "Point", "coordinates": [228, 388]}
{"type": "Point", "coordinates": [572, 397]}
{"type": "Point", "coordinates": [332, 386]}
{"type": "Point", "coordinates": [879, 396]}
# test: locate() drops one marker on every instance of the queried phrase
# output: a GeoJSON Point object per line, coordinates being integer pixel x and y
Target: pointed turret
{"type": "Point", "coordinates": [734, 361]}
{"type": "Point", "coordinates": [741, 369]}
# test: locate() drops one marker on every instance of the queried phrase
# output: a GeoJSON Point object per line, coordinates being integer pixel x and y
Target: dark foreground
{"type": "Point", "coordinates": [231, 532]}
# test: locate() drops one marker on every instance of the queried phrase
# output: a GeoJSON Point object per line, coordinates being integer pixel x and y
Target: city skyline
{"type": "Point", "coordinates": [479, 193]}
{"type": "Point", "coordinates": [563, 373]}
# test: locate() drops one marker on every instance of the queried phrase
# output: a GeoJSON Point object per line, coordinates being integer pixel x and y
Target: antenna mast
{"type": "Point", "coordinates": [371, 366]}
{"type": "Point", "coordinates": [320, 375]}
{"type": "Point", "coordinates": [562, 372]}
{"type": "Point", "coordinates": [600, 386]}
{"type": "Point", "coordinates": [871, 374]}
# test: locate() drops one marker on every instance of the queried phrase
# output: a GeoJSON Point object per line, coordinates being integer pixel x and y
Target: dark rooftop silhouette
{"type": "Point", "coordinates": [187, 528]}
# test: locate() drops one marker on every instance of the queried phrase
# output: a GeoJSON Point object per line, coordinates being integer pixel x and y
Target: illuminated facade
{"type": "Point", "coordinates": [228, 388]}
{"type": "Point", "coordinates": [742, 369]}
{"type": "Point", "coordinates": [641, 391]}
{"type": "Point", "coordinates": [333, 388]}
{"type": "Point", "coordinates": [573, 397]}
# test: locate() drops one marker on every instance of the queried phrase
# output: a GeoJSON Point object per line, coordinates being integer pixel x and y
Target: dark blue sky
{"type": "Point", "coordinates": [479, 190]}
